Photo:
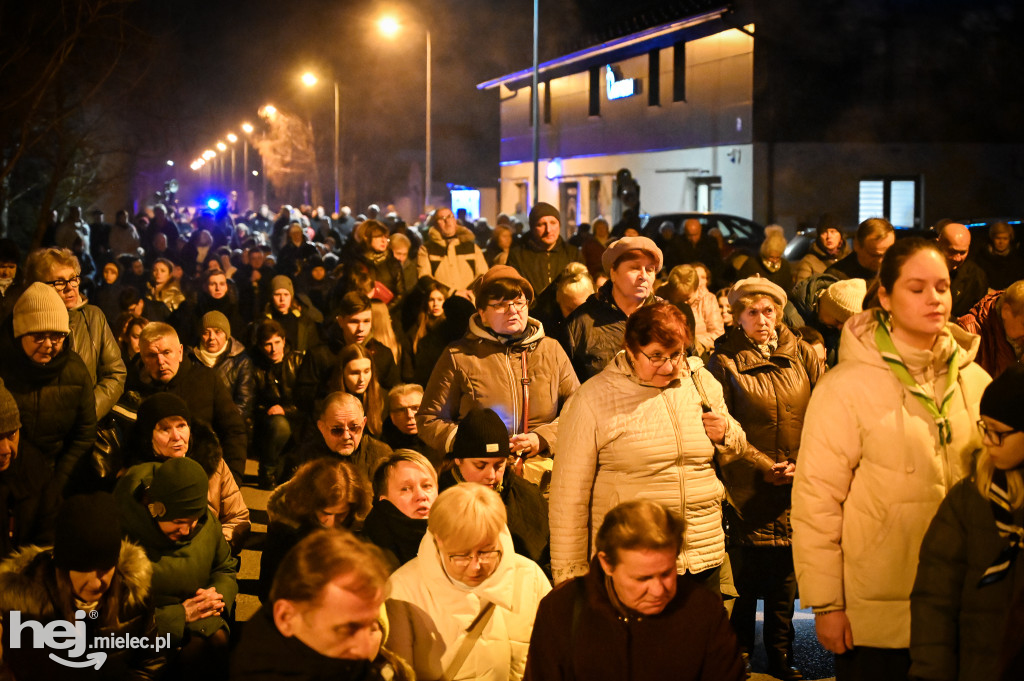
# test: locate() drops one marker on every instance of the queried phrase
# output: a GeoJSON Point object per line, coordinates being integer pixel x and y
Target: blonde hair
{"type": "Point", "coordinates": [983, 472]}
{"type": "Point", "coordinates": [156, 330]}
{"type": "Point", "coordinates": [467, 515]}
{"type": "Point", "coordinates": [41, 262]}
{"type": "Point", "coordinates": [382, 330]}
{"type": "Point", "coordinates": [382, 474]}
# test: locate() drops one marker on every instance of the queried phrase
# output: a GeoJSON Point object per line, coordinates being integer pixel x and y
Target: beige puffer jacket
{"type": "Point", "coordinates": [872, 475]}
{"type": "Point", "coordinates": [619, 440]}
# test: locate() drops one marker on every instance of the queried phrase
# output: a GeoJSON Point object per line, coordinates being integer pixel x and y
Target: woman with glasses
{"type": "Point", "coordinates": [766, 374]}
{"type": "Point", "coordinates": [463, 608]}
{"type": "Point", "coordinates": [887, 433]}
{"type": "Point", "coordinates": [50, 383]}
{"type": "Point", "coordinates": [504, 363]}
{"type": "Point", "coordinates": [970, 570]}
{"type": "Point", "coordinates": [91, 336]}
{"type": "Point", "coordinates": [650, 426]}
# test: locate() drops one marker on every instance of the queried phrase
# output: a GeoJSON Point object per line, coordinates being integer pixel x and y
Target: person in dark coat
{"type": "Point", "coordinates": [298, 321]}
{"type": "Point", "coordinates": [999, 319]}
{"type": "Point", "coordinates": [404, 489]}
{"type": "Point", "coordinates": [380, 261]}
{"type": "Point", "coordinates": [90, 568]}
{"type": "Point", "coordinates": [226, 355]}
{"type": "Point", "coordinates": [50, 383]}
{"type": "Point", "coordinates": [161, 368]}
{"type": "Point", "coordinates": [400, 429]}
{"type": "Point", "coordinates": [218, 294]}
{"type": "Point", "coordinates": [479, 454]}
{"type": "Point", "coordinates": [697, 246]}
{"type": "Point", "coordinates": [769, 263]}
{"type": "Point", "coordinates": [969, 570]}
{"type": "Point", "coordinates": [767, 375]}
{"type": "Point", "coordinates": [11, 276]}
{"type": "Point", "coordinates": [107, 296]}
{"type": "Point", "coordinates": [542, 254]}
{"type": "Point", "coordinates": [1000, 258]}
{"type": "Point", "coordinates": [324, 493]}
{"type": "Point", "coordinates": [632, 616]}
{"type": "Point", "coordinates": [276, 415]}
{"type": "Point", "coordinates": [874, 237]}
{"type": "Point", "coordinates": [968, 281]}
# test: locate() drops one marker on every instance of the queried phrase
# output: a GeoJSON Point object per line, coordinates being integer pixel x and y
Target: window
{"type": "Point", "coordinates": [595, 198]}
{"type": "Point", "coordinates": [899, 199]}
{"type": "Point", "coordinates": [679, 72]}
{"type": "Point", "coordinates": [654, 77]}
{"type": "Point", "coordinates": [595, 91]}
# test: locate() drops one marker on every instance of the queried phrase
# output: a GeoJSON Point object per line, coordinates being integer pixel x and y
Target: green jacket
{"type": "Point", "coordinates": [179, 568]}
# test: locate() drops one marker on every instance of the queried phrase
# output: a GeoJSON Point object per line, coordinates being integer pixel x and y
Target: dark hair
{"type": "Point", "coordinates": [660, 323]}
{"type": "Point", "coordinates": [498, 290]}
{"type": "Point", "coordinates": [898, 254]}
{"type": "Point", "coordinates": [352, 303]}
{"type": "Point", "coordinates": [374, 228]}
{"type": "Point", "coordinates": [810, 335]}
{"type": "Point", "coordinates": [129, 297]}
{"type": "Point", "coordinates": [267, 329]}
{"type": "Point", "coordinates": [322, 557]}
{"type": "Point", "coordinates": [639, 524]}
{"type": "Point", "coordinates": [322, 483]}
{"type": "Point", "coordinates": [873, 228]}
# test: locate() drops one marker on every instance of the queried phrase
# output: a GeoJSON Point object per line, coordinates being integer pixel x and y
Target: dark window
{"type": "Point", "coordinates": [679, 72]}
{"type": "Point", "coordinates": [547, 101]}
{"type": "Point", "coordinates": [654, 78]}
{"type": "Point", "coordinates": [595, 91]}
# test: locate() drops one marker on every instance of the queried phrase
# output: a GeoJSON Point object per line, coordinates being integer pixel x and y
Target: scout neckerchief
{"type": "Point", "coordinates": [999, 498]}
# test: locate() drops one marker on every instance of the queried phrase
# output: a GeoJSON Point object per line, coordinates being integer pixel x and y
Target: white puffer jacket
{"type": "Point", "coordinates": [620, 439]}
{"type": "Point", "coordinates": [429, 615]}
{"type": "Point", "coordinates": [872, 475]}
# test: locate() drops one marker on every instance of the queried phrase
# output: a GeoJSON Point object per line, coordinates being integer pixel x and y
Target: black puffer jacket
{"type": "Point", "coordinates": [769, 398]}
{"type": "Point", "coordinates": [595, 331]}
{"type": "Point", "coordinates": [56, 402]}
{"type": "Point", "coordinates": [539, 265]}
{"type": "Point", "coordinates": [274, 384]}
{"type": "Point", "coordinates": [235, 366]}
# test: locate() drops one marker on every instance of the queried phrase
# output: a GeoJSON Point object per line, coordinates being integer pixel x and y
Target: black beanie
{"type": "Point", "coordinates": [542, 210]}
{"type": "Point", "coordinates": [87, 535]}
{"type": "Point", "coordinates": [178, 490]}
{"type": "Point", "coordinates": [1004, 396]}
{"type": "Point", "coordinates": [481, 435]}
{"type": "Point", "coordinates": [152, 411]}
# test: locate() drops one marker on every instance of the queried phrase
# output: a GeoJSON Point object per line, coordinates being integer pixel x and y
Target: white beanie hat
{"type": "Point", "coordinates": [40, 308]}
{"type": "Point", "coordinates": [844, 298]}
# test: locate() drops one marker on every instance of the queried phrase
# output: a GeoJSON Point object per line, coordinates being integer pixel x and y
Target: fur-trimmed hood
{"type": "Point", "coordinates": [278, 510]}
{"type": "Point", "coordinates": [24, 583]}
{"type": "Point", "coordinates": [461, 233]}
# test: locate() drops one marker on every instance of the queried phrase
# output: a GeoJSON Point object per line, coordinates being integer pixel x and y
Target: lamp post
{"type": "Point", "coordinates": [247, 129]}
{"type": "Point", "coordinates": [389, 26]}
{"type": "Point", "coordinates": [309, 79]}
{"type": "Point", "coordinates": [232, 138]}
{"type": "Point", "coordinates": [221, 147]}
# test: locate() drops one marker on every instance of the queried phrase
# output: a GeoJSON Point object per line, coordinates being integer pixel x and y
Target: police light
{"type": "Point", "coordinates": [212, 204]}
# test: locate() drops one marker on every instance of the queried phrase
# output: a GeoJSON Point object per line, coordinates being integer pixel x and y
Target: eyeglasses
{"type": "Point", "coordinates": [503, 306]}
{"type": "Point", "coordinates": [658, 361]}
{"type": "Point", "coordinates": [354, 428]}
{"type": "Point", "coordinates": [464, 560]}
{"type": "Point", "coordinates": [996, 436]}
{"type": "Point", "coordinates": [61, 284]}
{"type": "Point", "coordinates": [55, 337]}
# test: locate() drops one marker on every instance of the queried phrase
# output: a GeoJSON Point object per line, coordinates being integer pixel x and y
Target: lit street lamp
{"type": "Point", "coordinates": [232, 138]}
{"type": "Point", "coordinates": [309, 80]}
{"type": "Point", "coordinates": [389, 26]}
{"type": "Point", "coordinates": [247, 129]}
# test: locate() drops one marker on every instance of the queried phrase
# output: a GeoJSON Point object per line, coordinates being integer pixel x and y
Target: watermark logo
{"type": "Point", "coordinates": [72, 637]}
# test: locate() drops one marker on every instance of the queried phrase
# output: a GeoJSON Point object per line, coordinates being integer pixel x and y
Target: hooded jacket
{"type": "Point", "coordinates": [623, 439]}
{"type": "Point", "coordinates": [486, 370]}
{"type": "Point", "coordinates": [817, 260]}
{"type": "Point", "coordinates": [871, 476]}
{"type": "Point", "coordinates": [454, 262]}
{"type": "Point", "coordinates": [539, 265]}
{"type": "Point", "coordinates": [769, 398]}
{"type": "Point", "coordinates": [429, 614]}
{"type": "Point", "coordinates": [28, 584]}
{"type": "Point", "coordinates": [94, 342]}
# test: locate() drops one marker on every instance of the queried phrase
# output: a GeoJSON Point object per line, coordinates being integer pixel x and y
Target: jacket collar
{"type": "Point", "coordinates": [499, 588]}
{"type": "Point", "coordinates": [533, 333]}
{"type": "Point", "coordinates": [461, 233]}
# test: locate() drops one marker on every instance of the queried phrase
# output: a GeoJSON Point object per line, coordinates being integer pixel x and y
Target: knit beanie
{"type": "Point", "coordinates": [1003, 397]}
{"type": "Point", "coordinates": [843, 299]}
{"type": "Point", "coordinates": [178, 490]}
{"type": "Point", "coordinates": [481, 435]}
{"type": "Point", "coordinates": [10, 418]}
{"type": "Point", "coordinates": [40, 308]}
{"type": "Point", "coordinates": [87, 535]}
{"type": "Point", "coordinates": [282, 282]}
{"type": "Point", "coordinates": [826, 222]}
{"type": "Point", "coordinates": [217, 320]}
{"type": "Point", "coordinates": [542, 210]}
{"type": "Point", "coordinates": [9, 251]}
{"type": "Point", "coordinates": [152, 411]}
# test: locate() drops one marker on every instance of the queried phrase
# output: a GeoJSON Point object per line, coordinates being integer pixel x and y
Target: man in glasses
{"type": "Point", "coordinates": [340, 433]}
{"type": "Point", "coordinates": [449, 252]}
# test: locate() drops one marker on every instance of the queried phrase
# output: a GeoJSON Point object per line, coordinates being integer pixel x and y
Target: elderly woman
{"type": "Point", "coordinates": [50, 383]}
{"type": "Point", "coordinates": [651, 426]}
{"type": "Point", "coordinates": [633, 616]}
{"type": "Point", "coordinates": [887, 434]}
{"type": "Point", "coordinates": [164, 430]}
{"type": "Point", "coordinates": [464, 607]}
{"type": "Point", "coordinates": [226, 355]}
{"type": "Point", "coordinates": [404, 489]}
{"type": "Point", "coordinates": [91, 336]}
{"type": "Point", "coordinates": [322, 493]}
{"type": "Point", "coordinates": [684, 288]}
{"type": "Point", "coordinates": [504, 363]}
{"type": "Point", "coordinates": [769, 262]}
{"type": "Point", "coordinates": [766, 374]}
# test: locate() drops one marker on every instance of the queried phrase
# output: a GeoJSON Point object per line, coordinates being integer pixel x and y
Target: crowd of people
{"type": "Point", "coordinates": [502, 453]}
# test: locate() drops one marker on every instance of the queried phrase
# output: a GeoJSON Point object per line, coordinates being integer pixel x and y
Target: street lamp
{"type": "Point", "coordinates": [309, 79]}
{"type": "Point", "coordinates": [389, 27]}
{"type": "Point", "coordinates": [232, 138]}
{"type": "Point", "coordinates": [247, 129]}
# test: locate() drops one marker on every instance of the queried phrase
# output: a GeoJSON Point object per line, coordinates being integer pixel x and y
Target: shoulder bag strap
{"type": "Point", "coordinates": [472, 636]}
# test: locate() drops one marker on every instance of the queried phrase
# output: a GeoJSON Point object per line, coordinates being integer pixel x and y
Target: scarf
{"type": "Point", "coordinates": [999, 498]}
{"type": "Point", "coordinates": [938, 411]}
{"type": "Point", "coordinates": [767, 348]}
{"type": "Point", "coordinates": [210, 358]}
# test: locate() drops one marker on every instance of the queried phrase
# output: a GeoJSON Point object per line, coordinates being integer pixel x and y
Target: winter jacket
{"type": "Point", "coordinates": [580, 634]}
{"type": "Point", "coordinates": [595, 331]}
{"type": "Point", "coordinates": [200, 561]}
{"type": "Point", "coordinates": [28, 584]}
{"type": "Point", "coordinates": [95, 343]}
{"type": "Point", "coordinates": [871, 476]}
{"type": "Point", "coordinates": [429, 615]}
{"type": "Point", "coordinates": [299, 326]}
{"type": "Point", "coordinates": [769, 398]}
{"type": "Point", "coordinates": [454, 262]}
{"type": "Point", "coordinates": [235, 367]}
{"type": "Point", "coordinates": [818, 260]}
{"type": "Point", "coordinates": [319, 363]}
{"type": "Point", "coordinates": [386, 270]}
{"type": "Point", "coordinates": [968, 284]}
{"type": "Point", "coordinates": [392, 531]}
{"type": "Point", "coordinates": [225, 500]}
{"type": "Point", "coordinates": [755, 267]}
{"type": "Point", "coordinates": [209, 400]}
{"type": "Point", "coordinates": [366, 457]}
{"type": "Point", "coordinates": [484, 370]}
{"type": "Point", "coordinates": [170, 295]}
{"type": "Point", "coordinates": [995, 354]}
{"type": "Point", "coordinates": [274, 384]}
{"type": "Point", "coordinates": [621, 439]}
{"type": "Point", "coordinates": [540, 265]}
{"type": "Point", "coordinates": [56, 402]}
{"type": "Point", "coordinates": [187, 320]}
{"type": "Point", "coordinates": [707, 315]}
{"type": "Point", "coordinates": [956, 627]}
{"type": "Point", "coordinates": [1001, 270]}
{"type": "Point", "coordinates": [28, 502]}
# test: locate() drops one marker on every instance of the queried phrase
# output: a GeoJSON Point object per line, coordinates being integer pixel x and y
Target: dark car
{"type": "Point", "coordinates": [739, 233]}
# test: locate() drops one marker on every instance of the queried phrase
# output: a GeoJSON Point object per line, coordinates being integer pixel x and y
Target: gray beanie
{"type": "Point", "coordinates": [40, 308]}
{"type": "Point", "coordinates": [217, 320]}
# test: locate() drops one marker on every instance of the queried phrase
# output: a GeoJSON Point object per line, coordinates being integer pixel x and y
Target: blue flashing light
{"type": "Point", "coordinates": [212, 204]}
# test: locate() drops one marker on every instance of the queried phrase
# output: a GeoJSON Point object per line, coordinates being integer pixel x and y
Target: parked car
{"type": "Point", "coordinates": [739, 233]}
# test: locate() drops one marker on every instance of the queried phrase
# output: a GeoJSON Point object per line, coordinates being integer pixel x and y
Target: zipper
{"type": "Point", "coordinates": [512, 389]}
{"type": "Point", "coordinates": [679, 465]}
